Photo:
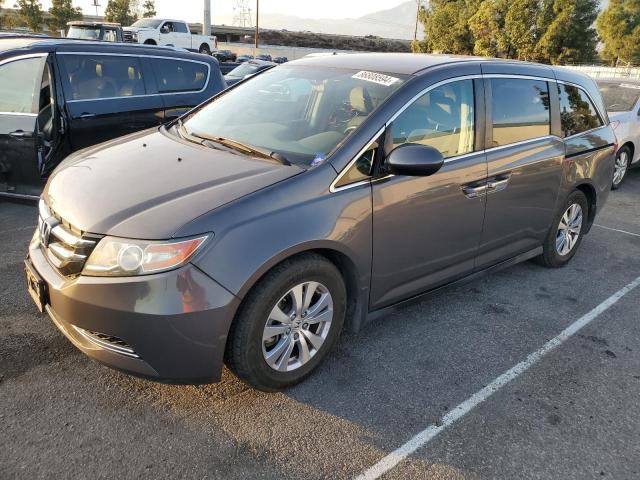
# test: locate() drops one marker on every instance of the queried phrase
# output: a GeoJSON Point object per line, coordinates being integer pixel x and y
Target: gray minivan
{"type": "Point", "coordinates": [310, 198]}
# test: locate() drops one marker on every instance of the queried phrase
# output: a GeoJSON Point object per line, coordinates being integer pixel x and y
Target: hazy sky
{"type": "Point", "coordinates": [222, 10]}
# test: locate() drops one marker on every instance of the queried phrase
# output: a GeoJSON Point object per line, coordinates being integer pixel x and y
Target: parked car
{"type": "Point", "coordinates": [225, 56]}
{"type": "Point", "coordinates": [101, 31]}
{"type": "Point", "coordinates": [264, 56]}
{"type": "Point", "coordinates": [622, 101]}
{"type": "Point", "coordinates": [246, 70]}
{"type": "Point", "coordinates": [60, 95]}
{"type": "Point", "coordinates": [280, 59]}
{"type": "Point", "coordinates": [173, 33]}
{"type": "Point", "coordinates": [311, 198]}
{"type": "Point", "coordinates": [244, 58]}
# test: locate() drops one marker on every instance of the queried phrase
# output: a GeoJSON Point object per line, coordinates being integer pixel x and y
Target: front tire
{"type": "Point", "coordinates": [566, 232]}
{"type": "Point", "coordinates": [288, 323]}
{"type": "Point", "coordinates": [623, 160]}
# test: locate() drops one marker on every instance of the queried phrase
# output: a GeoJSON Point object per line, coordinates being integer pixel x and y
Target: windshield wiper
{"type": "Point", "coordinates": [245, 148]}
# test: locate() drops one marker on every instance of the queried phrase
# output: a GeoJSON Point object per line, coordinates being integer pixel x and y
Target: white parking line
{"type": "Point", "coordinates": [617, 230]}
{"type": "Point", "coordinates": [429, 433]}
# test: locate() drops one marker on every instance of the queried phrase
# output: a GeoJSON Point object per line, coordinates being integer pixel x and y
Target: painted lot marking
{"type": "Point", "coordinates": [429, 433]}
{"type": "Point", "coordinates": [616, 230]}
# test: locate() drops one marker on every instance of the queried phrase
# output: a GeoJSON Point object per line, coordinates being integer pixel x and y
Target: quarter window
{"type": "Point", "coordinates": [520, 110]}
{"type": "Point", "coordinates": [102, 76]}
{"type": "Point", "coordinates": [179, 76]}
{"type": "Point", "coordinates": [20, 85]}
{"type": "Point", "coordinates": [577, 113]}
{"type": "Point", "coordinates": [442, 118]}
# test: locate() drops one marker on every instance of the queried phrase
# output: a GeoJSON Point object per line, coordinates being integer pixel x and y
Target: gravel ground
{"type": "Point", "coordinates": [572, 415]}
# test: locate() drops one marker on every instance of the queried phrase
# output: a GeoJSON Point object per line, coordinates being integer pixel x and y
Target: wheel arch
{"type": "Point", "coordinates": [592, 198]}
{"type": "Point", "coordinates": [630, 145]}
{"type": "Point", "coordinates": [357, 290]}
{"type": "Point", "coordinates": [150, 41]}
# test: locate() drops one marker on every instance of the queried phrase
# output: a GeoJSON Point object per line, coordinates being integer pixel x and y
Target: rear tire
{"type": "Point", "coordinates": [566, 232]}
{"type": "Point", "coordinates": [623, 160]}
{"type": "Point", "coordinates": [150, 42]}
{"type": "Point", "coordinates": [274, 344]}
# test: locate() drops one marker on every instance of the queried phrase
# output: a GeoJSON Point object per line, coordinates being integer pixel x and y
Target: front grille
{"type": "Point", "coordinates": [108, 342]}
{"type": "Point", "coordinates": [66, 247]}
{"type": "Point", "coordinates": [128, 36]}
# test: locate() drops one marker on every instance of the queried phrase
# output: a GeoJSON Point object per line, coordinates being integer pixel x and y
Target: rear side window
{"type": "Point", "coordinates": [520, 110]}
{"type": "Point", "coordinates": [90, 77]}
{"type": "Point", "coordinates": [179, 75]}
{"type": "Point", "coordinates": [20, 85]}
{"type": "Point", "coordinates": [577, 113]}
{"type": "Point", "coordinates": [180, 27]}
{"type": "Point", "coordinates": [442, 118]}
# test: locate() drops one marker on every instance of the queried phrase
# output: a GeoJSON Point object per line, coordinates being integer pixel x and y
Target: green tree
{"type": "Point", "coordinates": [121, 11]}
{"type": "Point", "coordinates": [31, 13]}
{"type": "Point", "coordinates": [1, 16]}
{"type": "Point", "coordinates": [521, 27]}
{"type": "Point", "coordinates": [446, 26]}
{"type": "Point", "coordinates": [569, 37]}
{"type": "Point", "coordinates": [619, 29]}
{"type": "Point", "coordinates": [62, 11]}
{"type": "Point", "coordinates": [149, 9]}
{"type": "Point", "coordinates": [487, 28]}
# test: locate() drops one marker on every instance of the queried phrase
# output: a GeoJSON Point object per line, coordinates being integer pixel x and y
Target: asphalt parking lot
{"type": "Point", "coordinates": [573, 414]}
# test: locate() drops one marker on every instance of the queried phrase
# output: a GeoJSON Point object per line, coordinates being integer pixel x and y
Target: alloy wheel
{"type": "Point", "coordinates": [297, 326]}
{"type": "Point", "coordinates": [622, 162]}
{"type": "Point", "coordinates": [569, 229]}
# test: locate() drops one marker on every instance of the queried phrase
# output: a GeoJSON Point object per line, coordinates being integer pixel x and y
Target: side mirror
{"type": "Point", "coordinates": [414, 159]}
{"type": "Point", "coordinates": [164, 29]}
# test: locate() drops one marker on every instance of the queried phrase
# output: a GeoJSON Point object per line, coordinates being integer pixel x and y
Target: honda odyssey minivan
{"type": "Point", "coordinates": [254, 229]}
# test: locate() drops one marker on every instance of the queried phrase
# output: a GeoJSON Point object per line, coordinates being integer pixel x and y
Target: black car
{"type": "Point", "coordinates": [244, 58]}
{"type": "Point", "coordinates": [225, 56]}
{"type": "Point", "coordinates": [264, 56]}
{"type": "Point", "coordinates": [247, 69]}
{"type": "Point", "coordinates": [280, 60]}
{"type": "Point", "coordinates": [61, 95]}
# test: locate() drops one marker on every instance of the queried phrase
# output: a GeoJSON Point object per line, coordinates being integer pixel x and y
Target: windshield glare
{"type": "Point", "coordinates": [619, 96]}
{"type": "Point", "coordinates": [84, 33]}
{"type": "Point", "coordinates": [147, 23]}
{"type": "Point", "coordinates": [243, 70]}
{"type": "Point", "coordinates": [302, 113]}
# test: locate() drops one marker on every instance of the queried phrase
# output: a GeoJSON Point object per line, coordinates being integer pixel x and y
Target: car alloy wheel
{"type": "Point", "coordinates": [297, 326]}
{"type": "Point", "coordinates": [569, 229]}
{"type": "Point", "coordinates": [621, 165]}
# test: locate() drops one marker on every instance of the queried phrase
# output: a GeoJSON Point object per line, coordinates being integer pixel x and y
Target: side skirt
{"type": "Point", "coordinates": [523, 257]}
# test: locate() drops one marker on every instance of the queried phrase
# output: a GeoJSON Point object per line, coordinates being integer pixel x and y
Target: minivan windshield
{"type": "Point", "coordinates": [301, 113]}
{"type": "Point", "coordinates": [147, 23]}
{"type": "Point", "coordinates": [619, 96]}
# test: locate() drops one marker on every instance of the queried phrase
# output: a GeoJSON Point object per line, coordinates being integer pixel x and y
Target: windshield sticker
{"type": "Point", "coordinates": [630, 85]}
{"type": "Point", "coordinates": [374, 77]}
{"type": "Point", "coordinates": [320, 157]}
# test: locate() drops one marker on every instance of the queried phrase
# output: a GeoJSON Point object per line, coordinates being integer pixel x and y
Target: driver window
{"type": "Point", "coordinates": [442, 118]}
{"type": "Point", "coordinates": [19, 85]}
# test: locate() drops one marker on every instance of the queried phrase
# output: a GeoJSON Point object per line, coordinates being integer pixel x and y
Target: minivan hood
{"type": "Point", "coordinates": [149, 184]}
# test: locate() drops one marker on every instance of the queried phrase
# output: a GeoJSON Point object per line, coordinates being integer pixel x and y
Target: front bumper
{"type": "Point", "coordinates": [170, 326]}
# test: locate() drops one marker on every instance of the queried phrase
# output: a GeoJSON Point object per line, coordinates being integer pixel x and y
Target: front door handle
{"type": "Point", "coordinates": [498, 183]}
{"type": "Point", "coordinates": [87, 115]}
{"type": "Point", "coordinates": [474, 191]}
{"type": "Point", "coordinates": [20, 134]}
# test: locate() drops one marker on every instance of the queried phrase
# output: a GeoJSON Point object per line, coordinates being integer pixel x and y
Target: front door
{"type": "Point", "coordinates": [107, 97]}
{"type": "Point", "coordinates": [524, 168]}
{"type": "Point", "coordinates": [426, 229]}
{"type": "Point", "coordinates": [20, 82]}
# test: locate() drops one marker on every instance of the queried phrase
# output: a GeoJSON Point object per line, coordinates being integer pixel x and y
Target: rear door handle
{"type": "Point", "coordinates": [474, 191]}
{"type": "Point", "coordinates": [20, 134]}
{"type": "Point", "coordinates": [498, 183]}
{"type": "Point", "coordinates": [87, 115]}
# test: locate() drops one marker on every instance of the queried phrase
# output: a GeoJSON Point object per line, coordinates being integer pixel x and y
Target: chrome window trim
{"type": "Point", "coordinates": [575, 135]}
{"type": "Point", "coordinates": [333, 188]}
{"type": "Point", "coordinates": [162, 57]}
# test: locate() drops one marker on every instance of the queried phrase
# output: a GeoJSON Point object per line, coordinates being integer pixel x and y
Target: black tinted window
{"type": "Point", "coordinates": [520, 110]}
{"type": "Point", "coordinates": [179, 75]}
{"type": "Point", "coordinates": [102, 76]}
{"type": "Point", "coordinates": [18, 85]}
{"type": "Point", "coordinates": [180, 27]}
{"type": "Point", "coordinates": [577, 113]}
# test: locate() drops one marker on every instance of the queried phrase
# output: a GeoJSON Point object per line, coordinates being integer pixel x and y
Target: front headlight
{"type": "Point", "coordinates": [118, 257]}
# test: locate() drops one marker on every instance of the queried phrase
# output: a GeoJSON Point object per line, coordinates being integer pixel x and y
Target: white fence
{"type": "Point", "coordinates": [607, 72]}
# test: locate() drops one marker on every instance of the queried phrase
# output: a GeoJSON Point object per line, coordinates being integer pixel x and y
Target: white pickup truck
{"type": "Point", "coordinates": [175, 33]}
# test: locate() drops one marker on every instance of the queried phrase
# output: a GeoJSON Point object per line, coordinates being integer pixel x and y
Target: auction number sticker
{"type": "Point", "coordinates": [374, 77]}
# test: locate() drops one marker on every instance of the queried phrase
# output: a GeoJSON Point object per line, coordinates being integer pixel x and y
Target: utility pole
{"type": "Point", "coordinates": [206, 22]}
{"type": "Point", "coordinates": [415, 32]}
{"type": "Point", "coordinates": [96, 4]}
{"type": "Point", "coordinates": [257, 20]}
